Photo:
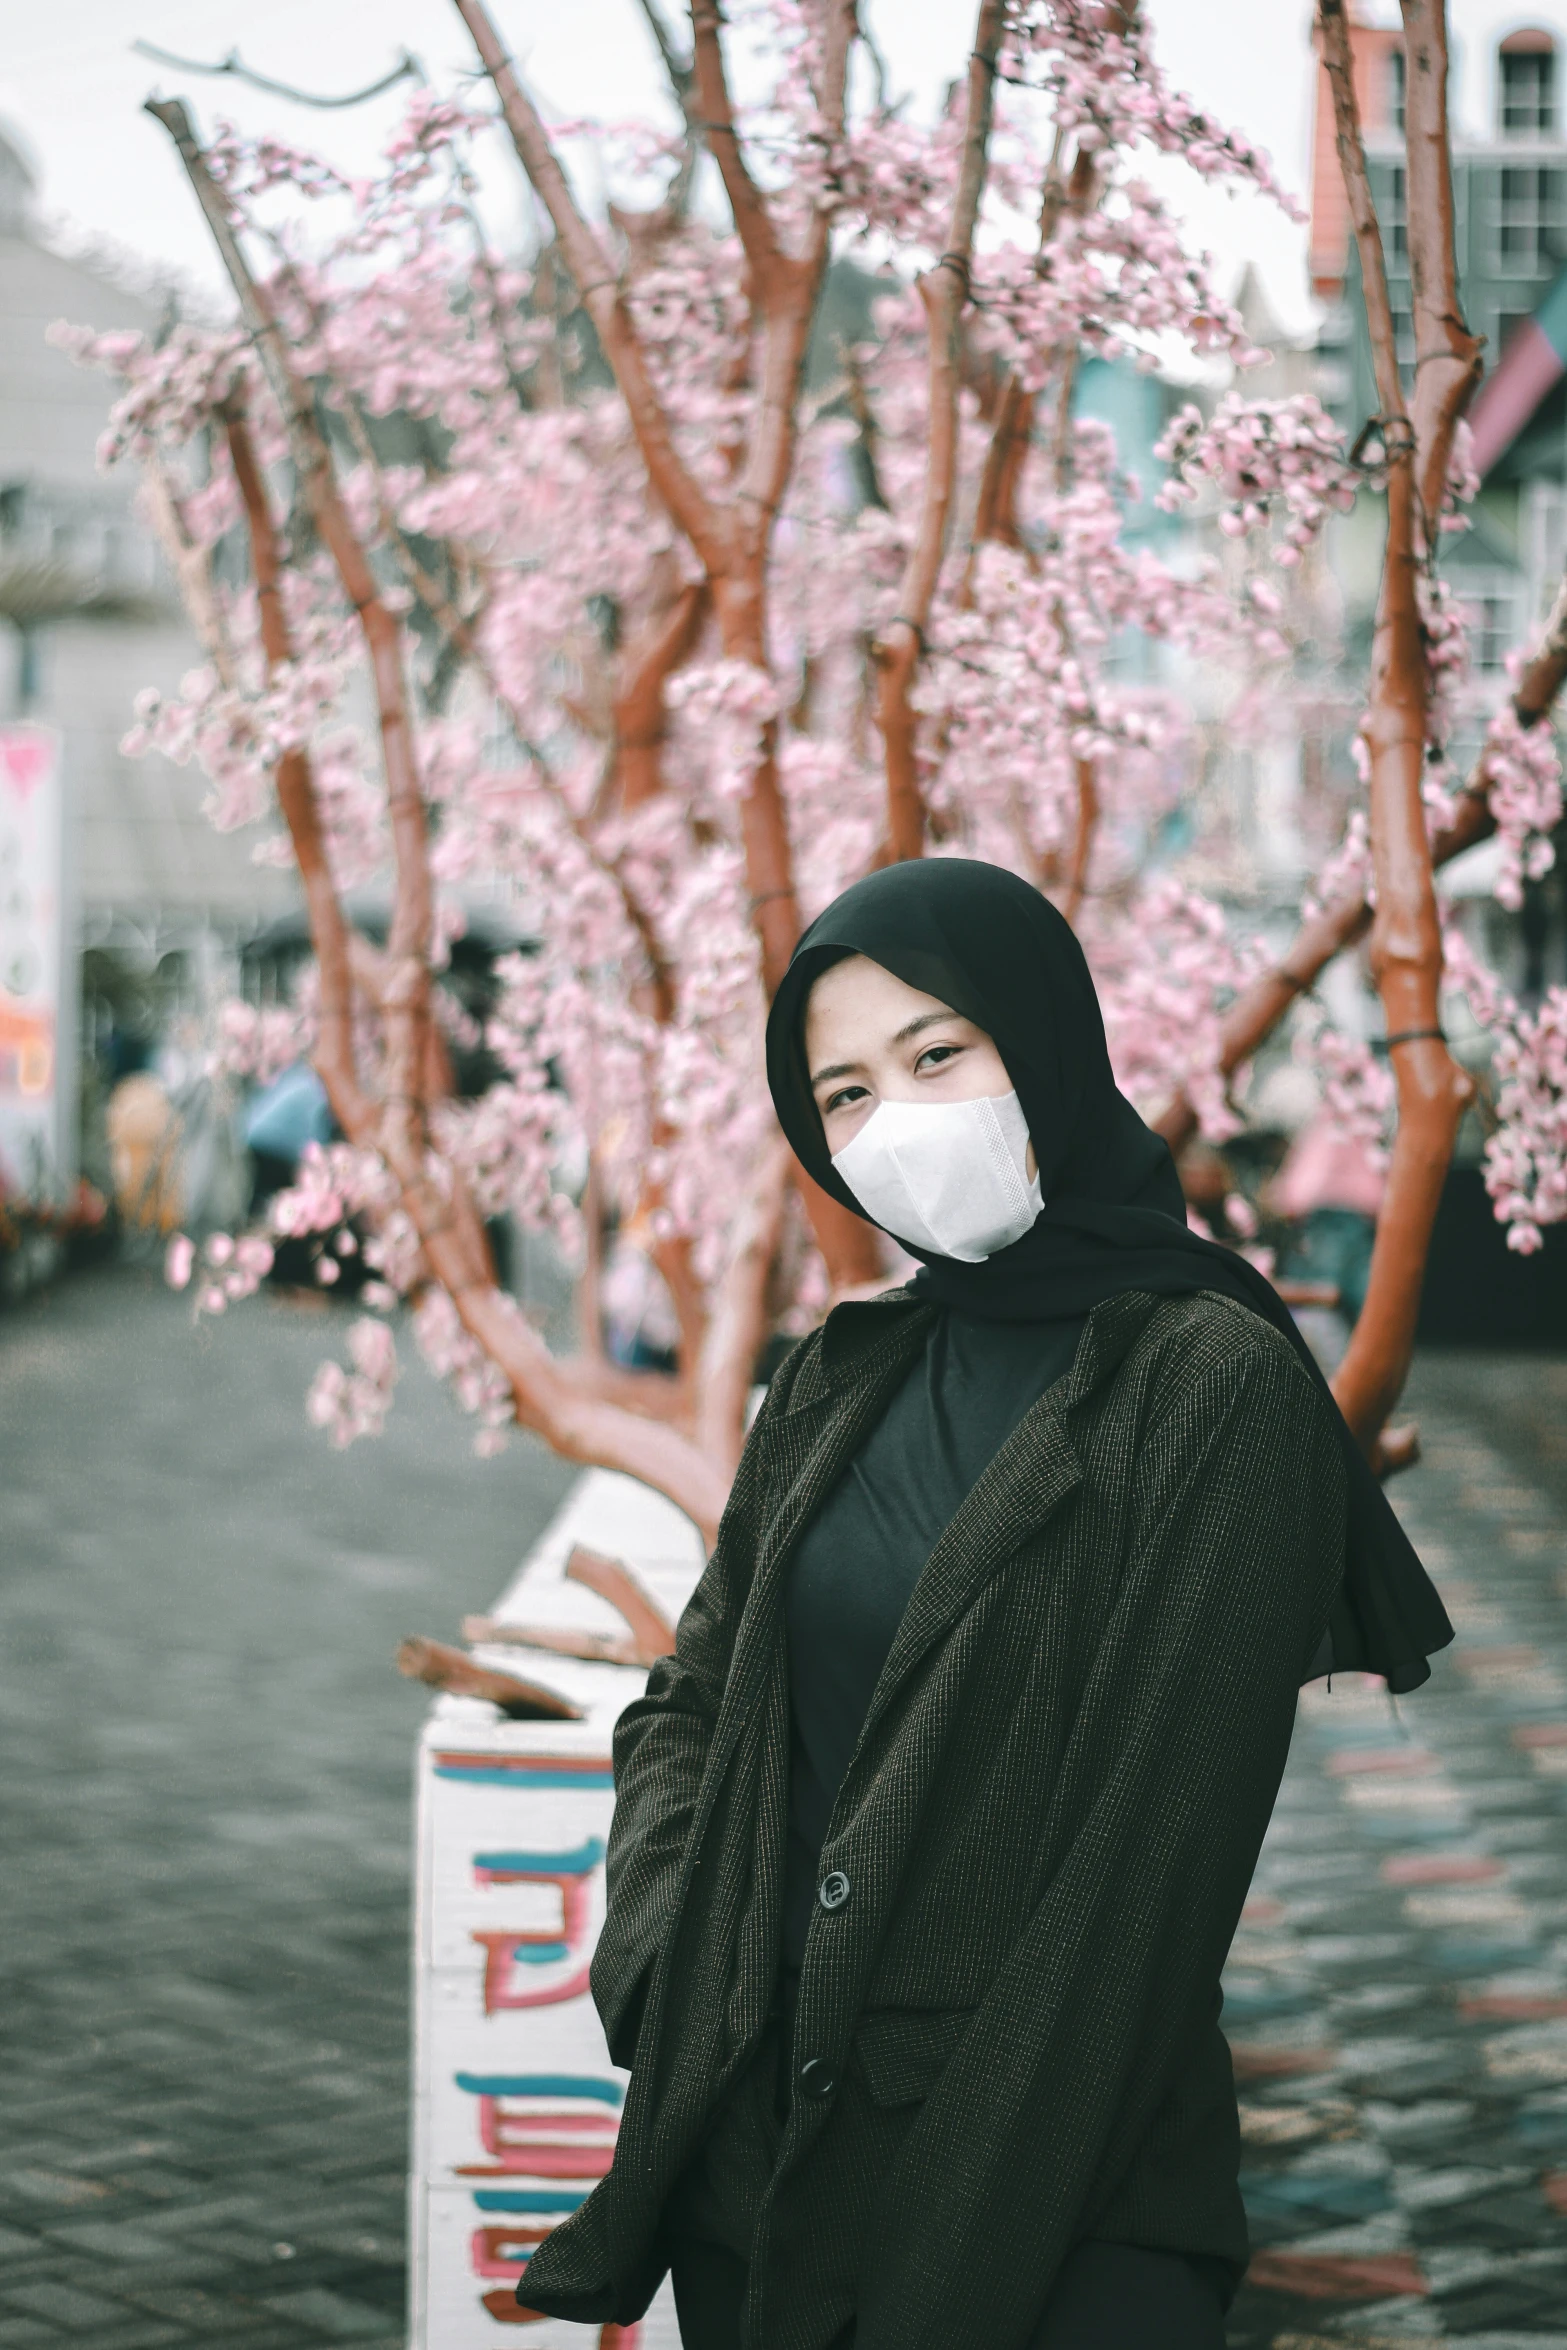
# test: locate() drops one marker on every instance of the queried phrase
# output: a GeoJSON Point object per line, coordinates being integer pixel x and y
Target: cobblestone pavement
{"type": "Point", "coordinates": [1397, 1996]}
{"type": "Point", "coordinates": [205, 1830]}
{"type": "Point", "coordinates": [205, 1846]}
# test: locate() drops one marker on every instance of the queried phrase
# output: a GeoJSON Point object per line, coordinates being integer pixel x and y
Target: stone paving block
{"type": "Point", "coordinates": [62, 2305]}
{"type": "Point", "coordinates": [269, 2333]}
{"type": "Point", "coordinates": [345, 2242]}
{"type": "Point", "coordinates": [331, 2314]}
{"type": "Point", "coordinates": [136, 2335]}
{"type": "Point", "coordinates": [207, 2316]}
{"type": "Point", "coordinates": [43, 2187]}
{"type": "Point", "coordinates": [202, 2212]}
{"type": "Point", "coordinates": [113, 2240]}
{"type": "Point", "coordinates": [234, 2248]}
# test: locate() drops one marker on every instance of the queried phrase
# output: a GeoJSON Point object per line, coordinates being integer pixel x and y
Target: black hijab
{"type": "Point", "coordinates": [986, 943]}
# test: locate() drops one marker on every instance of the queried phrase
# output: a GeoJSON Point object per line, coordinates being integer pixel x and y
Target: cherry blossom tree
{"type": "Point", "coordinates": [570, 577]}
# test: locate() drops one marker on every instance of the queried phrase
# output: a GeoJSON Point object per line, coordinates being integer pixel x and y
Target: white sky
{"type": "Point", "coordinates": [72, 86]}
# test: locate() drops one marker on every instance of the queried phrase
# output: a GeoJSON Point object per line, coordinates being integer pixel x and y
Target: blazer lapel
{"type": "Point", "coordinates": [813, 1442]}
{"type": "Point", "coordinates": [1030, 1477]}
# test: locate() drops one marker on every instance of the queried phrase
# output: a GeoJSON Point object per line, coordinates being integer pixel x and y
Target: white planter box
{"type": "Point", "coordinates": [516, 2103]}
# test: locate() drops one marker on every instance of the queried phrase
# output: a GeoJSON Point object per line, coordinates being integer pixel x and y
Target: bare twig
{"type": "Point", "coordinates": [681, 76]}
{"type": "Point", "coordinates": [234, 66]}
{"type": "Point", "coordinates": [883, 80]}
{"type": "Point", "coordinates": [680, 72]}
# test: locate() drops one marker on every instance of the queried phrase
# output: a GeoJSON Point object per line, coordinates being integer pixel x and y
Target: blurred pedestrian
{"type": "Point", "coordinates": [144, 1131]}
{"type": "Point", "coordinates": [1329, 1190]}
{"type": "Point", "coordinates": [278, 1121]}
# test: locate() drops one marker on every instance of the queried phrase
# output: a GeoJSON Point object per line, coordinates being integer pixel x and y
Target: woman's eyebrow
{"type": "Point", "coordinates": [925, 1020]}
{"type": "Point", "coordinates": [922, 1021]}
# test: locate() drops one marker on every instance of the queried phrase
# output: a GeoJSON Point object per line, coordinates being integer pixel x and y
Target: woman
{"type": "Point", "coordinates": [931, 1837]}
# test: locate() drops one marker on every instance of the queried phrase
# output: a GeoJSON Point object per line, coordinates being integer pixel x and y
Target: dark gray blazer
{"type": "Point", "coordinates": [1048, 1830]}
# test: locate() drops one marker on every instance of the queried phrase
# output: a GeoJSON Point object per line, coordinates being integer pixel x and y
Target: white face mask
{"type": "Point", "coordinates": [950, 1177]}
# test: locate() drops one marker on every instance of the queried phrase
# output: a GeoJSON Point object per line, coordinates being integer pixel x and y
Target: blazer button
{"type": "Point", "coordinates": [817, 2078]}
{"type": "Point", "coordinates": [833, 1891]}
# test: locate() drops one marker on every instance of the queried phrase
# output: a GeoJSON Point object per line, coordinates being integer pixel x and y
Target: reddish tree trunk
{"type": "Point", "coordinates": [1406, 936]}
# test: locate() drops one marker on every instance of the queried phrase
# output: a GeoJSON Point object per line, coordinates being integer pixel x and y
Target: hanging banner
{"type": "Point", "coordinates": [31, 887]}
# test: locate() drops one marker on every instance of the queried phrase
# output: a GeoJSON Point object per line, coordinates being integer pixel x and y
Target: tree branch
{"type": "Point", "coordinates": [407, 1007]}
{"type": "Point", "coordinates": [460, 633]}
{"type": "Point", "coordinates": [1338, 60]}
{"type": "Point", "coordinates": [1258, 1009]}
{"type": "Point", "coordinates": [680, 72]}
{"type": "Point", "coordinates": [601, 295]}
{"type": "Point", "coordinates": [787, 295]}
{"type": "Point", "coordinates": [731, 543]}
{"type": "Point", "coordinates": [995, 512]}
{"type": "Point", "coordinates": [737, 1323]}
{"type": "Point", "coordinates": [1406, 936]}
{"type": "Point", "coordinates": [995, 509]}
{"type": "Point", "coordinates": [1447, 355]}
{"type": "Point", "coordinates": [640, 716]}
{"type": "Point", "coordinates": [681, 76]}
{"type": "Point", "coordinates": [753, 221]}
{"type": "Point", "coordinates": [574, 1420]}
{"type": "Point", "coordinates": [944, 291]}
{"type": "Point", "coordinates": [1082, 837]}
{"type": "Point", "coordinates": [865, 448]}
{"type": "Point", "coordinates": [192, 568]}
{"type": "Point", "coordinates": [330, 933]}
{"type": "Point", "coordinates": [785, 291]}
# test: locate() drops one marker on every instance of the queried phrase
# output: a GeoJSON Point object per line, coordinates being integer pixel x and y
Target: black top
{"type": "Point", "coordinates": [861, 1557]}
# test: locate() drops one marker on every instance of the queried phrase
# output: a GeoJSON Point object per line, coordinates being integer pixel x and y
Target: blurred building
{"type": "Point", "coordinates": [155, 905]}
{"type": "Point", "coordinates": [1508, 107]}
{"type": "Point", "coordinates": [1507, 104]}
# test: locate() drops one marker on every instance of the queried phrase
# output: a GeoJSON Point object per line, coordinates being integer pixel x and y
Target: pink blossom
{"type": "Point", "coordinates": [1073, 681]}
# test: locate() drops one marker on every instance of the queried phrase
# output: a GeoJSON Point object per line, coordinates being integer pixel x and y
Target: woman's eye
{"type": "Point", "coordinates": [844, 1098]}
{"type": "Point", "coordinates": [934, 1055]}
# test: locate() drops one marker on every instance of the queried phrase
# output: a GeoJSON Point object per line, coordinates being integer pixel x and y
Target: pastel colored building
{"type": "Point", "coordinates": [1508, 108]}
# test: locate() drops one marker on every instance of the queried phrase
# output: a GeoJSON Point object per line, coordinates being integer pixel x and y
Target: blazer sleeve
{"type": "Point", "coordinates": [1237, 1550]}
{"type": "Point", "coordinates": [661, 1744]}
